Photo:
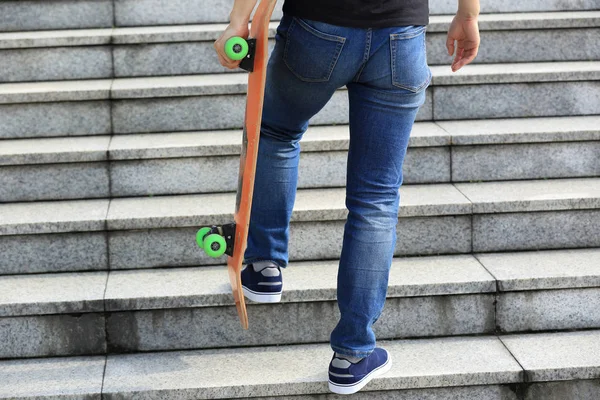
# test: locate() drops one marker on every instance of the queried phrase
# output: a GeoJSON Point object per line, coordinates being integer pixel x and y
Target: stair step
{"type": "Point", "coordinates": [420, 364]}
{"type": "Point", "coordinates": [188, 49]}
{"type": "Point", "coordinates": [176, 162]}
{"type": "Point", "coordinates": [216, 101]}
{"type": "Point", "coordinates": [67, 378]}
{"type": "Point", "coordinates": [236, 83]}
{"type": "Point", "coordinates": [43, 294]}
{"type": "Point", "coordinates": [311, 205]}
{"type": "Point", "coordinates": [148, 289]}
{"type": "Point", "coordinates": [303, 369]}
{"type": "Point", "coordinates": [211, 32]}
{"type": "Point", "coordinates": [541, 366]}
{"type": "Point", "coordinates": [501, 216]}
{"type": "Point", "coordinates": [175, 308]}
{"type": "Point", "coordinates": [71, 14]}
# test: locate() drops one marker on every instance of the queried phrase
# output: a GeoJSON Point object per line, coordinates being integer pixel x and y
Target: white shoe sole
{"type": "Point", "coordinates": [355, 387]}
{"type": "Point", "coordinates": [261, 297]}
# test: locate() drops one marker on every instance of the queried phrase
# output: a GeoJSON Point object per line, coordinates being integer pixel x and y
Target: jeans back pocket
{"type": "Point", "coordinates": [409, 60]}
{"type": "Point", "coordinates": [309, 53]}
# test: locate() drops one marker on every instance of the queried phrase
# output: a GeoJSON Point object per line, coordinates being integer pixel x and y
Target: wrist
{"type": "Point", "coordinates": [467, 15]}
{"type": "Point", "coordinates": [238, 21]}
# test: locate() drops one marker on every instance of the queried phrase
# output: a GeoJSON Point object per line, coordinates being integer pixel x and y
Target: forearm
{"type": "Point", "coordinates": [468, 8]}
{"type": "Point", "coordinates": [242, 9]}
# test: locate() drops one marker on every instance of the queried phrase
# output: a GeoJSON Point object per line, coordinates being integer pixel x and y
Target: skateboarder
{"type": "Point", "coordinates": [377, 50]}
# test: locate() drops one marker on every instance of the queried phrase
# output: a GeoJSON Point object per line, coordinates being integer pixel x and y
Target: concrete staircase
{"type": "Point", "coordinates": [120, 135]}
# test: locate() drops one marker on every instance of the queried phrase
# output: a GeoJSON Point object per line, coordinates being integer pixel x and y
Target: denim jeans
{"type": "Point", "coordinates": [385, 71]}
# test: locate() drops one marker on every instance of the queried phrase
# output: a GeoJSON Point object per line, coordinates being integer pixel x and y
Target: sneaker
{"type": "Point", "coordinates": [264, 285]}
{"type": "Point", "coordinates": [346, 377]}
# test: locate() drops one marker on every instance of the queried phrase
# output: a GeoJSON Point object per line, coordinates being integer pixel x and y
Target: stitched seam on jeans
{"type": "Point", "coordinates": [402, 36]}
{"type": "Point", "coordinates": [338, 51]}
{"type": "Point", "coordinates": [393, 39]}
{"type": "Point", "coordinates": [366, 55]}
{"type": "Point", "coordinates": [322, 35]}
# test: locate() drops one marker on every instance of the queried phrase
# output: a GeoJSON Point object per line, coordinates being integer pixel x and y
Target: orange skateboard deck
{"type": "Point", "coordinates": [231, 239]}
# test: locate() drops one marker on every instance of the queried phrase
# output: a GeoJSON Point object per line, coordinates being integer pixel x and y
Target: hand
{"type": "Point", "coordinates": [465, 31]}
{"type": "Point", "coordinates": [231, 31]}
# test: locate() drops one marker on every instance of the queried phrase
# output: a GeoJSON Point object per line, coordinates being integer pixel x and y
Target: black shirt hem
{"type": "Point", "coordinates": [335, 18]}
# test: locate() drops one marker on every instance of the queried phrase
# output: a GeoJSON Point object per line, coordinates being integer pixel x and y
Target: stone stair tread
{"type": "Point", "coordinates": [311, 205]}
{"type": "Point", "coordinates": [182, 85]}
{"type": "Point", "coordinates": [220, 143]}
{"type": "Point", "coordinates": [192, 210]}
{"type": "Point", "coordinates": [180, 144]}
{"type": "Point", "coordinates": [228, 142]}
{"type": "Point", "coordinates": [314, 281]}
{"type": "Point", "coordinates": [540, 195]}
{"type": "Point", "coordinates": [235, 83]}
{"type": "Point", "coordinates": [62, 293]}
{"type": "Point", "coordinates": [526, 20]}
{"type": "Point", "coordinates": [409, 277]}
{"type": "Point", "coordinates": [50, 91]}
{"type": "Point", "coordinates": [539, 270]}
{"type": "Point", "coordinates": [316, 139]}
{"type": "Point", "coordinates": [54, 150]}
{"type": "Point", "coordinates": [285, 371]}
{"type": "Point", "coordinates": [328, 204]}
{"type": "Point", "coordinates": [173, 33]}
{"type": "Point", "coordinates": [517, 73]}
{"type": "Point", "coordinates": [55, 38]}
{"type": "Point", "coordinates": [332, 138]}
{"type": "Point", "coordinates": [522, 130]}
{"type": "Point", "coordinates": [168, 288]}
{"type": "Point", "coordinates": [302, 369]}
{"type": "Point", "coordinates": [53, 216]}
{"type": "Point", "coordinates": [217, 84]}
{"type": "Point", "coordinates": [210, 32]}
{"type": "Point", "coordinates": [557, 356]}
{"type": "Point", "coordinates": [304, 282]}
{"type": "Point", "coordinates": [58, 378]}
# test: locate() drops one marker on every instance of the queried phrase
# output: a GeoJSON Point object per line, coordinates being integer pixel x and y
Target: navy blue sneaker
{"type": "Point", "coordinates": [262, 282]}
{"type": "Point", "coordinates": [346, 377]}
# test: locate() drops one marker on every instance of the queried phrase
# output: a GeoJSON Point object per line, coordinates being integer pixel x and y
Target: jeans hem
{"type": "Point", "coordinates": [255, 260]}
{"type": "Point", "coordinates": [351, 353]}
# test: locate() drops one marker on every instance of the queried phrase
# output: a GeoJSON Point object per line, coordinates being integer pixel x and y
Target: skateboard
{"type": "Point", "coordinates": [231, 239]}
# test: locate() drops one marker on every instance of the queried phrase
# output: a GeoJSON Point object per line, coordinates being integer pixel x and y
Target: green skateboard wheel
{"type": "Point", "coordinates": [200, 237]}
{"type": "Point", "coordinates": [236, 48]}
{"type": "Point", "coordinates": [215, 245]}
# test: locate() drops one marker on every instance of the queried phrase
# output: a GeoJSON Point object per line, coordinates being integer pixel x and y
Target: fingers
{"type": "Point", "coordinates": [467, 57]}
{"type": "Point", "coordinates": [223, 59]}
{"type": "Point", "coordinates": [458, 58]}
{"type": "Point", "coordinates": [450, 45]}
{"type": "Point", "coordinates": [227, 63]}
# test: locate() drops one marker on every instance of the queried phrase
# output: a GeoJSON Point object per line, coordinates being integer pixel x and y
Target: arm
{"type": "Point", "coordinates": [465, 31]}
{"type": "Point", "coordinates": [468, 8]}
{"type": "Point", "coordinates": [238, 26]}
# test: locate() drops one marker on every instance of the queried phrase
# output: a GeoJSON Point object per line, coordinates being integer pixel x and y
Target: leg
{"type": "Point", "coordinates": [381, 119]}
{"type": "Point", "coordinates": [289, 103]}
{"type": "Point", "coordinates": [380, 130]}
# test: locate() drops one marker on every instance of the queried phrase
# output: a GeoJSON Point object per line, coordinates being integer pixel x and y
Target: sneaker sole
{"type": "Point", "coordinates": [262, 297]}
{"type": "Point", "coordinates": [355, 387]}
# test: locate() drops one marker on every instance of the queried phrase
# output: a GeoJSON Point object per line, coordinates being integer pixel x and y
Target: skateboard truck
{"type": "Point", "coordinates": [248, 61]}
{"type": "Point", "coordinates": [217, 240]}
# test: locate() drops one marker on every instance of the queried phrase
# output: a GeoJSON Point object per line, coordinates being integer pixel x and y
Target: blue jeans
{"type": "Point", "coordinates": [386, 74]}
